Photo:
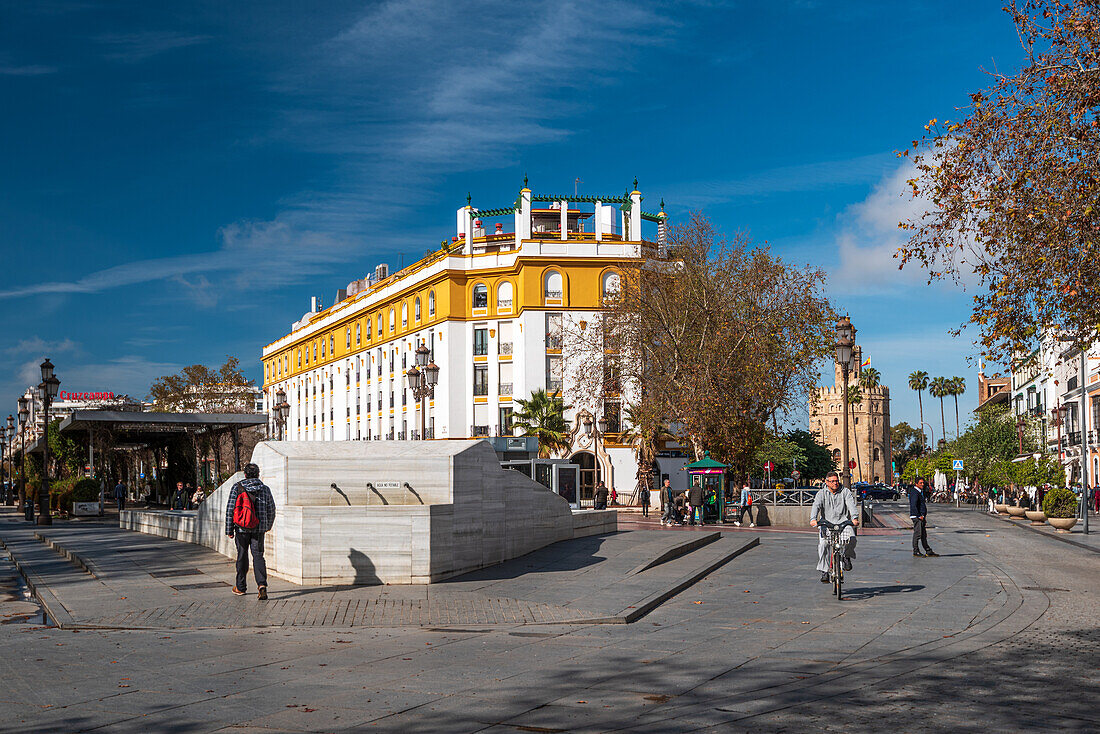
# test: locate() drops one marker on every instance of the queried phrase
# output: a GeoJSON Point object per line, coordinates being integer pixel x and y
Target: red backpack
{"type": "Point", "coordinates": [244, 513]}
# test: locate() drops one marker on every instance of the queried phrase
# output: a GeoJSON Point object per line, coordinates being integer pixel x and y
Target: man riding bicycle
{"type": "Point", "coordinates": [835, 505]}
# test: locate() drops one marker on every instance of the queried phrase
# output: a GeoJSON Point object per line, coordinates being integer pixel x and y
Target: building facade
{"type": "Point", "coordinates": [868, 424]}
{"type": "Point", "coordinates": [494, 308]}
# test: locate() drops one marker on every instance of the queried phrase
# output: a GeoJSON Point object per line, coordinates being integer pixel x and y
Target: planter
{"type": "Point", "coordinates": [1037, 517]}
{"type": "Point", "coordinates": [87, 509]}
{"type": "Point", "coordinates": [1016, 512]}
{"type": "Point", "coordinates": [1062, 524]}
{"type": "Point", "coordinates": [1001, 509]}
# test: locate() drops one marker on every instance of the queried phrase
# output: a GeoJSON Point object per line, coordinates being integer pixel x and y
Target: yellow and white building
{"type": "Point", "coordinates": [490, 305]}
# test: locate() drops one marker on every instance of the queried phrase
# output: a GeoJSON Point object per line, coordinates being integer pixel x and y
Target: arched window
{"type": "Point", "coordinates": [835, 421]}
{"type": "Point", "coordinates": [332, 345]}
{"type": "Point", "coordinates": [379, 324]}
{"type": "Point", "coordinates": [404, 315]}
{"type": "Point", "coordinates": [877, 454]}
{"type": "Point", "coordinates": [314, 351]}
{"type": "Point", "coordinates": [554, 285]}
{"type": "Point", "coordinates": [416, 309]}
{"type": "Point", "coordinates": [393, 320]}
{"type": "Point", "coordinates": [611, 284]}
{"type": "Point", "coordinates": [481, 296]}
{"type": "Point", "coordinates": [504, 296]}
{"type": "Point", "coordinates": [358, 334]}
{"type": "Point", "coordinates": [348, 345]}
{"type": "Point", "coordinates": [299, 357]}
{"type": "Point", "coordinates": [431, 304]}
{"type": "Point", "coordinates": [322, 347]}
{"type": "Point", "coordinates": [836, 454]}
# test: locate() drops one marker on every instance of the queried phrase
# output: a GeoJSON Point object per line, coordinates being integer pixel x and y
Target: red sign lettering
{"type": "Point", "coordinates": [86, 395]}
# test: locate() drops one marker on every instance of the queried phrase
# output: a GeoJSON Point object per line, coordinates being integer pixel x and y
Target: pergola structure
{"type": "Point", "coordinates": [153, 430]}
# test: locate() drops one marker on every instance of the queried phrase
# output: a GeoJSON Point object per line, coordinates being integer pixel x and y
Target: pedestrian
{"type": "Point", "coordinates": [249, 515]}
{"type": "Point", "coordinates": [645, 499]}
{"type": "Point", "coordinates": [197, 497]}
{"type": "Point", "coordinates": [600, 497]}
{"type": "Point", "coordinates": [187, 493]}
{"type": "Point", "coordinates": [176, 499]}
{"type": "Point", "coordinates": [680, 508]}
{"type": "Point", "coordinates": [666, 502]}
{"type": "Point", "coordinates": [991, 495]}
{"type": "Point", "coordinates": [1096, 499]}
{"type": "Point", "coordinates": [695, 499]}
{"type": "Point", "coordinates": [746, 507]}
{"type": "Point", "coordinates": [120, 495]}
{"type": "Point", "coordinates": [918, 513]}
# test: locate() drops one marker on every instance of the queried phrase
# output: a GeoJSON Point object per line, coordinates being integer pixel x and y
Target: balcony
{"type": "Point", "coordinates": [553, 295]}
{"type": "Point", "coordinates": [481, 389]}
{"type": "Point", "coordinates": [504, 304]}
{"type": "Point", "coordinates": [429, 433]}
{"type": "Point", "coordinates": [505, 431]}
{"type": "Point", "coordinates": [504, 347]}
{"type": "Point", "coordinates": [389, 435]}
{"type": "Point", "coordinates": [414, 435]}
{"type": "Point", "coordinates": [401, 436]}
{"type": "Point", "coordinates": [553, 342]}
{"type": "Point", "coordinates": [479, 431]}
{"type": "Point", "coordinates": [553, 386]}
{"type": "Point", "coordinates": [505, 388]}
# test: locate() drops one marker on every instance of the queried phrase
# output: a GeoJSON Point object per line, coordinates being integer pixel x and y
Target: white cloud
{"type": "Point", "coordinates": [133, 47]}
{"type": "Point", "coordinates": [28, 70]}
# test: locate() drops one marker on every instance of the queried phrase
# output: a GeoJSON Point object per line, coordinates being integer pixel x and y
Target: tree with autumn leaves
{"type": "Point", "coordinates": [1014, 187]}
{"type": "Point", "coordinates": [715, 341]}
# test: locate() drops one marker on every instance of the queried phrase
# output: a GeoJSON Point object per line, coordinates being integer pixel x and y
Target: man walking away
{"type": "Point", "coordinates": [918, 513]}
{"type": "Point", "coordinates": [600, 497]}
{"type": "Point", "coordinates": [645, 499]}
{"type": "Point", "coordinates": [249, 514]}
{"type": "Point", "coordinates": [120, 495]}
{"type": "Point", "coordinates": [695, 499]}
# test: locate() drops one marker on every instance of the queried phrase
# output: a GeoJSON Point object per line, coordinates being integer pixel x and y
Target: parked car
{"type": "Point", "coordinates": [879, 492]}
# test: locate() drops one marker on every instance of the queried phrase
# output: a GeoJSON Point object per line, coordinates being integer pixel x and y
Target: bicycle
{"type": "Point", "coordinates": [836, 554]}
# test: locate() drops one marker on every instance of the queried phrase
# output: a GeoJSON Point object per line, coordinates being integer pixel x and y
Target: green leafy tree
{"type": "Point", "coordinates": [870, 377]}
{"type": "Point", "coordinates": [906, 443]}
{"type": "Point", "coordinates": [543, 416]}
{"type": "Point", "coordinates": [645, 427]}
{"type": "Point", "coordinates": [201, 389]}
{"type": "Point", "coordinates": [783, 452]}
{"type": "Point", "coordinates": [988, 445]}
{"type": "Point", "coordinates": [818, 459]}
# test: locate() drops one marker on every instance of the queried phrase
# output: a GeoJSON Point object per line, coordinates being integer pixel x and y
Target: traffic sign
{"type": "Point", "coordinates": [852, 464]}
{"type": "Point", "coordinates": [769, 466]}
{"type": "Point", "coordinates": [957, 465]}
{"type": "Point", "coordinates": [795, 474]}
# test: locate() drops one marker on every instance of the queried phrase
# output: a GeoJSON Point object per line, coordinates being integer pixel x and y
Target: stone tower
{"type": "Point", "coordinates": [868, 424]}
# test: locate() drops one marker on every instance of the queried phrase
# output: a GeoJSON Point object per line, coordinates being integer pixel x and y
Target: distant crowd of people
{"type": "Point", "coordinates": [690, 506]}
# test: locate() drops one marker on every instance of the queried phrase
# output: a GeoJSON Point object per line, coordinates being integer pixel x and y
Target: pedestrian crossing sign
{"type": "Point", "coordinates": [957, 465]}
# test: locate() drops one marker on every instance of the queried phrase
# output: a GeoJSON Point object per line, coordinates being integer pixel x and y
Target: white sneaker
{"type": "Point", "coordinates": [752, 525]}
{"type": "Point", "coordinates": [737, 523]}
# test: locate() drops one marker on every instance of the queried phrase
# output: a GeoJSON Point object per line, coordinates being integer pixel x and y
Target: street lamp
{"type": "Point", "coordinates": [3, 460]}
{"type": "Point", "coordinates": [11, 458]}
{"type": "Point", "coordinates": [24, 416]}
{"type": "Point", "coordinates": [282, 412]}
{"type": "Point", "coordinates": [422, 378]}
{"type": "Point", "coordinates": [600, 427]}
{"type": "Point", "coordinates": [47, 391]}
{"type": "Point", "coordinates": [845, 341]}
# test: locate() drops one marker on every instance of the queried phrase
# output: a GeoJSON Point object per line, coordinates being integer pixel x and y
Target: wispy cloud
{"type": "Point", "coordinates": [786, 179]}
{"type": "Point", "coordinates": [28, 70]}
{"type": "Point", "coordinates": [134, 47]}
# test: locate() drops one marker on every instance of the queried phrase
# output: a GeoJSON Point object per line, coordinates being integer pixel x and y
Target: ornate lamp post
{"type": "Point", "coordinates": [11, 459]}
{"type": "Point", "coordinates": [422, 378]}
{"type": "Point", "coordinates": [845, 341]}
{"type": "Point", "coordinates": [47, 391]}
{"type": "Point", "coordinates": [4, 474]}
{"type": "Point", "coordinates": [24, 416]}
{"type": "Point", "coordinates": [600, 427]}
{"type": "Point", "coordinates": [282, 412]}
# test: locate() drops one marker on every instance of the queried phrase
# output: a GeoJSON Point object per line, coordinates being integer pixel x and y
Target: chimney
{"type": "Point", "coordinates": [313, 304]}
{"type": "Point", "coordinates": [381, 271]}
{"type": "Point", "coordinates": [341, 294]}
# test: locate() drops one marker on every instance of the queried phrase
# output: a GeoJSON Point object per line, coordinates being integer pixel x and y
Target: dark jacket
{"type": "Point", "coordinates": [262, 501]}
{"type": "Point", "coordinates": [695, 496]}
{"type": "Point", "coordinates": [602, 494]}
{"type": "Point", "coordinates": [917, 505]}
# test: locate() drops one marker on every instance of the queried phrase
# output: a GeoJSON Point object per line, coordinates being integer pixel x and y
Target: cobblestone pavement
{"type": "Point", "coordinates": [998, 634]}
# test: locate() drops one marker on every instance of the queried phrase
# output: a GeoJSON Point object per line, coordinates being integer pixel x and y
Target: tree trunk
{"type": "Point", "coordinates": [943, 421]}
{"type": "Point", "coordinates": [956, 416]}
{"type": "Point", "coordinates": [920, 404]}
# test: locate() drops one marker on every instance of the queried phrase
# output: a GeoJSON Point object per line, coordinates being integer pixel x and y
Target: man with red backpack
{"type": "Point", "coordinates": [249, 514]}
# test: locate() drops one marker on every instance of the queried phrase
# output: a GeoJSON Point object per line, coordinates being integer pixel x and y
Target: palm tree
{"type": "Point", "coordinates": [855, 395]}
{"type": "Point", "coordinates": [940, 388]}
{"type": "Point", "coordinates": [870, 377]}
{"type": "Point", "coordinates": [958, 387]}
{"type": "Point", "coordinates": [644, 430]}
{"type": "Point", "coordinates": [919, 381]}
{"type": "Point", "coordinates": [543, 415]}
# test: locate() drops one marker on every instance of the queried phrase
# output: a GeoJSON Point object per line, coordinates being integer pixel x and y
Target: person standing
{"type": "Point", "coordinates": [120, 495]}
{"type": "Point", "coordinates": [666, 502]}
{"type": "Point", "coordinates": [645, 499]}
{"type": "Point", "coordinates": [918, 513]}
{"type": "Point", "coordinates": [695, 499]}
{"type": "Point", "coordinates": [991, 495]}
{"type": "Point", "coordinates": [600, 496]}
{"type": "Point", "coordinates": [249, 515]}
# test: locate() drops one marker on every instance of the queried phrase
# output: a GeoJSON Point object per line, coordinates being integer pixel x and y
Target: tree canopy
{"type": "Point", "coordinates": [1014, 186]}
{"type": "Point", "coordinates": [201, 389]}
{"type": "Point", "coordinates": [543, 415]}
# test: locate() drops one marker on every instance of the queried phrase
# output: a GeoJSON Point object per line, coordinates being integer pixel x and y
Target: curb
{"type": "Point", "coordinates": [51, 605]}
{"type": "Point", "coordinates": [1052, 536]}
{"type": "Point", "coordinates": [676, 551]}
{"type": "Point", "coordinates": [69, 555]}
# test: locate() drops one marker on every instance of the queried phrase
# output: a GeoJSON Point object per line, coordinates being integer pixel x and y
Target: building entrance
{"type": "Point", "coordinates": [589, 475]}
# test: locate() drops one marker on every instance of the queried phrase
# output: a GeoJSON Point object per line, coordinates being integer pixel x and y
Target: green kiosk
{"type": "Point", "coordinates": [711, 476]}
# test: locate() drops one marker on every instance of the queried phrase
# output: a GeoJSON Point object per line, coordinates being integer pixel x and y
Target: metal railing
{"type": "Point", "coordinates": [505, 388]}
{"type": "Point", "coordinates": [553, 386]}
{"type": "Point", "coordinates": [799, 497]}
{"type": "Point", "coordinates": [553, 341]}
{"type": "Point", "coordinates": [504, 347]}
{"type": "Point", "coordinates": [479, 430]}
{"type": "Point", "coordinates": [481, 389]}
{"type": "Point", "coordinates": [504, 303]}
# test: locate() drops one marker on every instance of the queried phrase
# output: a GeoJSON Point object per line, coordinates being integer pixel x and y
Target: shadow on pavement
{"type": "Point", "coordinates": [869, 592]}
{"type": "Point", "coordinates": [565, 555]}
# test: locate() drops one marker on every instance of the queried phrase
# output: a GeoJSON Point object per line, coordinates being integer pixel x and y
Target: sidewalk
{"type": "Point", "coordinates": [93, 575]}
{"type": "Point", "coordinates": [1076, 536]}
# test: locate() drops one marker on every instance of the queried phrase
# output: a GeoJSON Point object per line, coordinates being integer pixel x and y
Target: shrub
{"type": "Point", "coordinates": [86, 490]}
{"type": "Point", "coordinates": [1060, 502]}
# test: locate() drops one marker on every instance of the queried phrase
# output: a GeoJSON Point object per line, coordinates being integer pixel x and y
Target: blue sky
{"type": "Point", "coordinates": [180, 178]}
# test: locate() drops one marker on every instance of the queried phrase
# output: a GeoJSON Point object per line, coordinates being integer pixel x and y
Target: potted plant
{"type": "Point", "coordinates": [1060, 506]}
{"type": "Point", "coordinates": [1037, 517]}
{"type": "Point", "coordinates": [85, 498]}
